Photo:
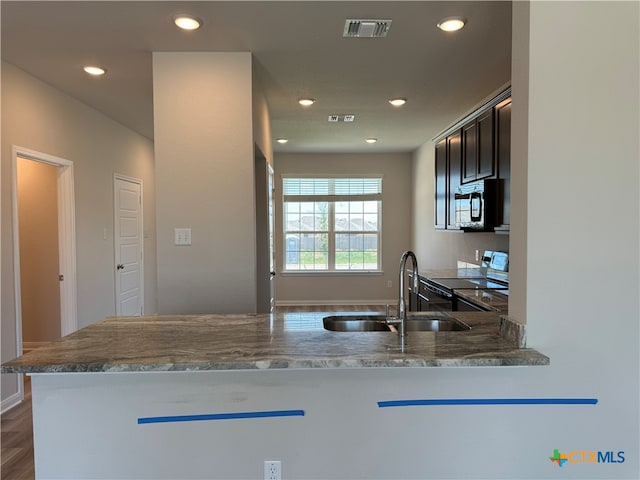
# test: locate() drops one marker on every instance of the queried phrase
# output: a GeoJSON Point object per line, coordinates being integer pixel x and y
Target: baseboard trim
{"type": "Point", "coordinates": [10, 402]}
{"type": "Point", "coordinates": [308, 303]}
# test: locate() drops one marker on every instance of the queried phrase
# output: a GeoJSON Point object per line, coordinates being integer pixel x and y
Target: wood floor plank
{"type": "Point", "coordinates": [16, 438]}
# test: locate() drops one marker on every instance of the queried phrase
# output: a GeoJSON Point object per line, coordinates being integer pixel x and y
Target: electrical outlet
{"type": "Point", "coordinates": [477, 255]}
{"type": "Point", "coordinates": [272, 470]}
{"type": "Point", "coordinates": [389, 284]}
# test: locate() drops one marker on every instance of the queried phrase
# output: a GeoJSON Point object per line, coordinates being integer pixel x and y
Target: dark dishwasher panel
{"type": "Point", "coordinates": [433, 298]}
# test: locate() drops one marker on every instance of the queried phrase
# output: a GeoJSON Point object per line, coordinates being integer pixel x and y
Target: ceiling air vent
{"type": "Point", "coordinates": [366, 28]}
{"type": "Point", "coordinates": [341, 118]}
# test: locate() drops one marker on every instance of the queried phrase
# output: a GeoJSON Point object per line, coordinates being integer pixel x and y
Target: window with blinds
{"type": "Point", "coordinates": [332, 224]}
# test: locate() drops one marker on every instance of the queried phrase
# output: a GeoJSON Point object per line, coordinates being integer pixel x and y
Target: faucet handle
{"type": "Point", "coordinates": [388, 317]}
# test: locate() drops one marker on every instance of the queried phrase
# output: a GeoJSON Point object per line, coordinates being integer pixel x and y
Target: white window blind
{"type": "Point", "coordinates": [332, 186]}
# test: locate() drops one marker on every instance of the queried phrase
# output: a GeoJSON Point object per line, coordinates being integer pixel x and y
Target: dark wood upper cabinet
{"type": "Point", "coordinates": [441, 185]}
{"type": "Point", "coordinates": [486, 162]}
{"type": "Point", "coordinates": [454, 157]}
{"type": "Point", "coordinates": [503, 164]}
{"type": "Point", "coordinates": [469, 152]}
{"type": "Point", "coordinates": [477, 148]}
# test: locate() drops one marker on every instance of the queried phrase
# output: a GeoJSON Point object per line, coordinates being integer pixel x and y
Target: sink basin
{"type": "Point", "coordinates": [376, 323]}
{"type": "Point", "coordinates": [352, 323]}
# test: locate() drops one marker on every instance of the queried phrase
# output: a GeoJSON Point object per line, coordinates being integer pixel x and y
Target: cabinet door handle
{"type": "Point", "coordinates": [120, 266]}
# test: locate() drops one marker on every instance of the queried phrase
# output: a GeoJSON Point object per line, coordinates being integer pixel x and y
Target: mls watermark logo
{"type": "Point", "coordinates": [586, 456]}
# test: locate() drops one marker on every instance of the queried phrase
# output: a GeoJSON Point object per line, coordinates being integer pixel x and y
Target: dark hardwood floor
{"type": "Point", "coordinates": [16, 452]}
{"type": "Point", "coordinates": [17, 425]}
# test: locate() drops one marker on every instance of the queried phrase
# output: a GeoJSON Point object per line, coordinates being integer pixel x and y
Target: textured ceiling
{"type": "Point", "coordinates": [298, 50]}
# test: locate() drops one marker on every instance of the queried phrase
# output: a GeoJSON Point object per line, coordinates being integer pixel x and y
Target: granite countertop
{"type": "Point", "coordinates": [263, 341]}
{"type": "Point", "coordinates": [462, 272]}
{"type": "Point", "coordinates": [491, 299]}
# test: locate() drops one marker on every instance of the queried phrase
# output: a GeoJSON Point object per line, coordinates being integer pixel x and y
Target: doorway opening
{"type": "Point", "coordinates": [43, 211]}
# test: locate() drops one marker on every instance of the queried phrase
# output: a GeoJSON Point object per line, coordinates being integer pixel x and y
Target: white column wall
{"type": "Point", "coordinates": [204, 153]}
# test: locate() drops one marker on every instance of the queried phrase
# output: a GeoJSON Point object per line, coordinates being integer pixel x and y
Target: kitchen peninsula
{"type": "Point", "coordinates": [262, 341]}
{"type": "Point", "coordinates": [136, 397]}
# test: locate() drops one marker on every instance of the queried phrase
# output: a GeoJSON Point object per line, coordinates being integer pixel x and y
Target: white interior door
{"type": "Point", "coordinates": [128, 246]}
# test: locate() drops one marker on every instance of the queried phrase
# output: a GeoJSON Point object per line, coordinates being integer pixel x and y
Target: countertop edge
{"type": "Point", "coordinates": [523, 357]}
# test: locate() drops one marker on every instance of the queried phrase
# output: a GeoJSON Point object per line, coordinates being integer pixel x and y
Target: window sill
{"type": "Point", "coordinates": [329, 273]}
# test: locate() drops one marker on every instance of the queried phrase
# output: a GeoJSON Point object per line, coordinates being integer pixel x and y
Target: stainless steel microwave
{"type": "Point", "coordinates": [475, 204]}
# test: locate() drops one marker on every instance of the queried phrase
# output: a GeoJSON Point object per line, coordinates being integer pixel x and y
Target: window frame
{"type": "Point", "coordinates": [331, 199]}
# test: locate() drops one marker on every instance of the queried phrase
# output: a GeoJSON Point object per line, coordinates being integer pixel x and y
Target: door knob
{"type": "Point", "coordinates": [120, 266]}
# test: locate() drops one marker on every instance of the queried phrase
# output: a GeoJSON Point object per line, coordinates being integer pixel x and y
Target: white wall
{"type": "Point", "coordinates": [583, 204]}
{"type": "Point", "coordinates": [396, 228]}
{"type": "Point", "coordinates": [38, 117]}
{"type": "Point", "coordinates": [261, 121]}
{"type": "Point", "coordinates": [519, 157]}
{"type": "Point", "coordinates": [204, 152]}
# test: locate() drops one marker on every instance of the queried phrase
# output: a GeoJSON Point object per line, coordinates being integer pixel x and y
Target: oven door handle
{"type": "Point", "coordinates": [422, 297]}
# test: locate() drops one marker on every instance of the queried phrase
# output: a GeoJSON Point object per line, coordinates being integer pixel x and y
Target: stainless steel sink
{"type": "Point", "coordinates": [352, 323]}
{"type": "Point", "coordinates": [377, 323]}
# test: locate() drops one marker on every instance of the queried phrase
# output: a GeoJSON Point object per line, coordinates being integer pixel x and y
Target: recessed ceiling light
{"type": "Point", "coordinates": [371, 140]}
{"type": "Point", "coordinates": [451, 24]}
{"type": "Point", "coordinates": [305, 102]}
{"type": "Point", "coordinates": [187, 22]}
{"type": "Point", "coordinates": [398, 102]}
{"type": "Point", "coordinates": [93, 70]}
{"type": "Point", "coordinates": [282, 140]}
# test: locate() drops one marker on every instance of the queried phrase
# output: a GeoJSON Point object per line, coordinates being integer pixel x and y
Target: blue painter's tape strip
{"type": "Point", "coordinates": [489, 401]}
{"type": "Point", "coordinates": [221, 416]}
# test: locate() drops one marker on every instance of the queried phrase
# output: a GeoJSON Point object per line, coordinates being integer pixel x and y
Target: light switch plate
{"type": "Point", "coordinates": [182, 236]}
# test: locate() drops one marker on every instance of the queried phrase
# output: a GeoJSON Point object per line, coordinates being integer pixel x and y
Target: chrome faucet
{"type": "Point", "coordinates": [401, 318]}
